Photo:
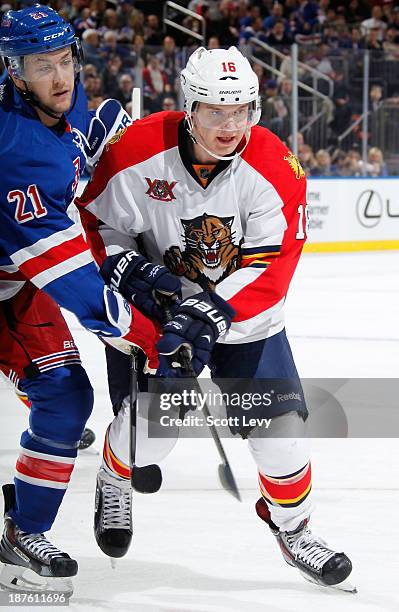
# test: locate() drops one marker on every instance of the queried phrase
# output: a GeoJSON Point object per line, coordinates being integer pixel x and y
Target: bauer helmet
{"type": "Point", "coordinates": [220, 76]}
{"type": "Point", "coordinates": [36, 29]}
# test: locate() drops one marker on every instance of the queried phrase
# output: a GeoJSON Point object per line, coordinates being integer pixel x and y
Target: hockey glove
{"type": "Point", "coordinates": [198, 323]}
{"type": "Point", "coordinates": [139, 281]}
{"type": "Point", "coordinates": [109, 119]}
{"type": "Point", "coordinates": [131, 328]}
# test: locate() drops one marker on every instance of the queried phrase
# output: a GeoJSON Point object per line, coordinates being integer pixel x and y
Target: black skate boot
{"type": "Point", "coordinates": [113, 514]}
{"type": "Point", "coordinates": [31, 562]}
{"type": "Point", "coordinates": [300, 548]}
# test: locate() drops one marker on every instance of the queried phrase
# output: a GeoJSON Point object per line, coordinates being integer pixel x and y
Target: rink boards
{"type": "Point", "coordinates": [359, 214]}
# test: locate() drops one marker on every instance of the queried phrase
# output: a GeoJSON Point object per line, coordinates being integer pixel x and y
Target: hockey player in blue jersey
{"type": "Point", "coordinates": [46, 136]}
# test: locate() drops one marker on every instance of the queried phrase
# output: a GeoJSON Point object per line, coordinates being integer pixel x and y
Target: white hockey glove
{"type": "Point", "coordinates": [109, 119]}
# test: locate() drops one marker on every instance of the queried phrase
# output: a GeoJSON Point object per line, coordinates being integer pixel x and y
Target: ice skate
{"type": "Point", "coordinates": [113, 514]}
{"type": "Point", "coordinates": [311, 555]}
{"type": "Point", "coordinates": [31, 562]}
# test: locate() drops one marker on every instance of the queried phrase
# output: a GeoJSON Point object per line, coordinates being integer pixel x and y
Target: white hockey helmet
{"type": "Point", "coordinates": [220, 76]}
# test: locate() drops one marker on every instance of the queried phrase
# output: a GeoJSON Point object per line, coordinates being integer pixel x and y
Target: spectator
{"type": "Point", "coordinates": [341, 163]}
{"type": "Point", "coordinates": [390, 44]}
{"type": "Point", "coordinates": [137, 23]}
{"type": "Point", "coordinates": [91, 49]}
{"type": "Point", "coordinates": [125, 12]}
{"type": "Point", "coordinates": [110, 75]}
{"type": "Point", "coordinates": [356, 11]}
{"type": "Point", "coordinates": [97, 10]}
{"type": "Point", "coordinates": [354, 162]}
{"type": "Point", "coordinates": [286, 67]}
{"type": "Point", "coordinates": [214, 42]}
{"type": "Point", "coordinates": [169, 104]}
{"type": "Point", "coordinates": [372, 40]}
{"type": "Point", "coordinates": [322, 62]}
{"type": "Point", "coordinates": [300, 141]}
{"type": "Point", "coordinates": [260, 73]}
{"type": "Point", "coordinates": [356, 40]}
{"type": "Point", "coordinates": [252, 13]}
{"type": "Point", "coordinates": [153, 32]}
{"type": "Point", "coordinates": [307, 159]}
{"type": "Point", "coordinates": [375, 22]}
{"type": "Point", "coordinates": [278, 36]}
{"type": "Point", "coordinates": [275, 112]}
{"type": "Point", "coordinates": [375, 98]}
{"type": "Point", "coordinates": [286, 92]}
{"type": "Point", "coordinates": [170, 61]}
{"type": "Point", "coordinates": [111, 46]}
{"type": "Point", "coordinates": [343, 107]}
{"type": "Point", "coordinates": [83, 22]}
{"type": "Point", "coordinates": [255, 29]}
{"type": "Point", "coordinates": [323, 164]}
{"type": "Point", "coordinates": [376, 165]}
{"type": "Point", "coordinates": [394, 22]}
{"type": "Point", "coordinates": [277, 14]}
{"type": "Point", "coordinates": [89, 70]}
{"type": "Point", "coordinates": [154, 84]}
{"type": "Point", "coordinates": [138, 52]}
{"type": "Point", "coordinates": [124, 91]}
{"type": "Point", "coordinates": [109, 23]}
{"type": "Point", "coordinates": [227, 28]}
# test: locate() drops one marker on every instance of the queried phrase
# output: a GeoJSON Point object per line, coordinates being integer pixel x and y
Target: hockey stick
{"type": "Point", "coordinates": [148, 478]}
{"type": "Point", "coordinates": [225, 473]}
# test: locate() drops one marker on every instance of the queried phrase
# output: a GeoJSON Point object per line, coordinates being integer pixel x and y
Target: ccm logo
{"type": "Point", "coordinates": [52, 36]}
{"type": "Point", "coordinates": [212, 313]}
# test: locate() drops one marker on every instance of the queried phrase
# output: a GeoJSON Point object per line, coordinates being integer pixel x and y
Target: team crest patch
{"type": "Point", "coordinates": [38, 15]}
{"type": "Point", "coordinates": [295, 165]}
{"type": "Point", "coordinates": [209, 254]}
{"type": "Point", "coordinates": [116, 138]}
{"type": "Point", "coordinates": [161, 190]}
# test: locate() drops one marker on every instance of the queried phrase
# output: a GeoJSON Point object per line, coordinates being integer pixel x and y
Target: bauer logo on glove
{"type": "Point", "coordinates": [200, 321]}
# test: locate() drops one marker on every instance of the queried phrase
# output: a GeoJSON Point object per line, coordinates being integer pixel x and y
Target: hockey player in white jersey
{"type": "Point", "coordinates": [221, 203]}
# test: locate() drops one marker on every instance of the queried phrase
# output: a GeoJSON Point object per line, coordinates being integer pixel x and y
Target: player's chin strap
{"type": "Point", "coordinates": [215, 155]}
{"type": "Point", "coordinates": [29, 97]}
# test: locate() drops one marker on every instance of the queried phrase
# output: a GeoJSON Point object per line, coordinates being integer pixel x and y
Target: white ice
{"type": "Point", "coordinates": [197, 549]}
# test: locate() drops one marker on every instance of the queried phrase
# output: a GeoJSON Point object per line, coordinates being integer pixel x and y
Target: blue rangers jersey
{"type": "Point", "coordinates": [40, 170]}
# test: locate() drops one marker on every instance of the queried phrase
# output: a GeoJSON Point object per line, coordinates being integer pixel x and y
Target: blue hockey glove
{"type": "Point", "coordinates": [198, 323]}
{"type": "Point", "coordinates": [109, 119]}
{"type": "Point", "coordinates": [139, 281]}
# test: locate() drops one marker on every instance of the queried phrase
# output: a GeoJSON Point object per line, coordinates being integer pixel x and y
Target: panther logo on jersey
{"type": "Point", "coordinates": [295, 165]}
{"type": "Point", "coordinates": [210, 254]}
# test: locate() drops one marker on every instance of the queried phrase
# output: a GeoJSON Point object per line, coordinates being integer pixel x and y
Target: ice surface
{"type": "Point", "coordinates": [195, 548]}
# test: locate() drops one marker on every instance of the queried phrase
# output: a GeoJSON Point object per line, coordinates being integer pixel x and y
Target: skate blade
{"type": "Point", "coordinates": [113, 562]}
{"type": "Point", "coordinates": [344, 586]}
{"type": "Point", "coordinates": [25, 580]}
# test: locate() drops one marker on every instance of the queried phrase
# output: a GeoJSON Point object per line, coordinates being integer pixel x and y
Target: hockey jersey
{"type": "Point", "coordinates": [237, 228]}
{"type": "Point", "coordinates": [40, 170]}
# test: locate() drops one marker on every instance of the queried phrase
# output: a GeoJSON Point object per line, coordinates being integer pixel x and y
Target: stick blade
{"type": "Point", "coordinates": [228, 481]}
{"type": "Point", "coordinates": [146, 479]}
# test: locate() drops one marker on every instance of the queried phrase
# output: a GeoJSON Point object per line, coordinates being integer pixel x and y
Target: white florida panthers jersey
{"type": "Point", "coordinates": [237, 228]}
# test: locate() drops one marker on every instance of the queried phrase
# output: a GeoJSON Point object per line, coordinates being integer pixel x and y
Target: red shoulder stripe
{"type": "Point", "coordinates": [141, 141]}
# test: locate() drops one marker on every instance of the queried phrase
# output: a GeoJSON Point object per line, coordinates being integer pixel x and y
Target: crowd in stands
{"type": "Point", "coordinates": [125, 44]}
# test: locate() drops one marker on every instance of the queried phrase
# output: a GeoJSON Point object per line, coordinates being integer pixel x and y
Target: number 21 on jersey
{"type": "Point", "coordinates": [22, 215]}
{"type": "Point", "coordinates": [303, 222]}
